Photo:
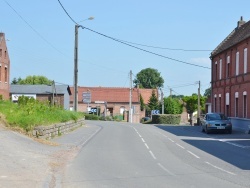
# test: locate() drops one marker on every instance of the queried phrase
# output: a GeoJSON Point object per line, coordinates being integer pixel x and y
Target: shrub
{"type": "Point", "coordinates": [166, 119]}
{"type": "Point", "coordinates": [91, 117]}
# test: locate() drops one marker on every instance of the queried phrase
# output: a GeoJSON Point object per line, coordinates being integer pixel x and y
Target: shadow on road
{"type": "Point", "coordinates": [236, 151]}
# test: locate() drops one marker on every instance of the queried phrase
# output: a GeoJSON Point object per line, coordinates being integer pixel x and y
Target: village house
{"type": "Point", "coordinates": [4, 68]}
{"type": "Point", "coordinates": [231, 75]}
{"type": "Point", "coordinates": [58, 95]}
{"type": "Point", "coordinates": [112, 101]}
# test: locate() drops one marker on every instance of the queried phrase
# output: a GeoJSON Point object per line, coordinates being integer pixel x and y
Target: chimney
{"type": "Point", "coordinates": [241, 22]}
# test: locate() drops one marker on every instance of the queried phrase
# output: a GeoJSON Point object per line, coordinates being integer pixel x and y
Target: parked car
{"type": "Point", "coordinates": [144, 119]}
{"type": "Point", "coordinates": [216, 122]}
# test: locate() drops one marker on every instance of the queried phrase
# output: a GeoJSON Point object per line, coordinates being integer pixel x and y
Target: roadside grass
{"type": "Point", "coordinates": [30, 113]}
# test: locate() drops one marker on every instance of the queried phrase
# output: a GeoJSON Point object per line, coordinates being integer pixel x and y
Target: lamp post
{"type": "Point", "coordinates": [75, 102]}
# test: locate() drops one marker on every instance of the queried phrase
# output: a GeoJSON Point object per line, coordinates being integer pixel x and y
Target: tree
{"type": "Point", "coordinates": [172, 106]}
{"type": "Point", "coordinates": [142, 104]}
{"type": "Point", "coordinates": [32, 80]}
{"type": "Point", "coordinates": [148, 78]}
{"type": "Point", "coordinates": [153, 102]}
{"type": "Point", "coordinates": [207, 92]}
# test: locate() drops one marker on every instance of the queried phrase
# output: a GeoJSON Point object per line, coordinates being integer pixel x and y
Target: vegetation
{"type": "Point", "coordinates": [29, 113]}
{"type": "Point", "coordinates": [149, 78]}
{"type": "Point", "coordinates": [32, 80]}
{"type": "Point", "coordinates": [208, 92]}
{"type": "Point", "coordinates": [172, 106]}
{"type": "Point", "coordinates": [153, 102]}
{"type": "Point", "coordinates": [166, 119]}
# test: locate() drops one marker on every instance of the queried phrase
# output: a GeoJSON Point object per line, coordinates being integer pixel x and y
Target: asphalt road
{"type": "Point", "coordinates": [137, 155]}
{"type": "Point", "coordinates": [113, 154]}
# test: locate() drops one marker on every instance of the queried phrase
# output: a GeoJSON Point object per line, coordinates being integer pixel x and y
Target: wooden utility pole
{"type": "Point", "coordinates": [199, 106]}
{"type": "Point", "coordinates": [130, 98]}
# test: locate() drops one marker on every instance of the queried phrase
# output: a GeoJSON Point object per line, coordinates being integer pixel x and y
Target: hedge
{"type": "Point", "coordinates": [173, 119]}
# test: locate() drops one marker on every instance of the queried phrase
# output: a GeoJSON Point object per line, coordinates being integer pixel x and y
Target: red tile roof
{"type": "Point", "coordinates": [113, 94]}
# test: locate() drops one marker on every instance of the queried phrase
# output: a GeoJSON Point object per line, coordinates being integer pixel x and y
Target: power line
{"type": "Point", "coordinates": [33, 28]}
{"type": "Point", "coordinates": [120, 41]}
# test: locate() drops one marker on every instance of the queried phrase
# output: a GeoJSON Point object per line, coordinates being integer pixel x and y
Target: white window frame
{"type": "Point", "coordinates": [245, 60]}
{"type": "Point", "coordinates": [237, 59]}
{"type": "Point", "coordinates": [220, 71]}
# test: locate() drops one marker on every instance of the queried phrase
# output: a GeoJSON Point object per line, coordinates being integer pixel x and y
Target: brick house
{"type": "Point", "coordinates": [60, 94]}
{"type": "Point", "coordinates": [114, 99]}
{"type": "Point", "coordinates": [4, 68]}
{"type": "Point", "coordinates": [231, 75]}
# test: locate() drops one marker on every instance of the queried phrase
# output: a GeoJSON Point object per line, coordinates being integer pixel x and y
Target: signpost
{"type": "Point", "coordinates": [86, 97]}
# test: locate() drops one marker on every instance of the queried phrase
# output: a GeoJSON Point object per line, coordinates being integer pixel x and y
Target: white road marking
{"type": "Point", "coordinates": [91, 136]}
{"type": "Point", "coordinates": [152, 154]}
{"type": "Point", "coordinates": [170, 139]}
{"type": "Point", "coordinates": [146, 145]}
{"type": "Point", "coordinates": [163, 168]}
{"type": "Point", "coordinates": [220, 168]}
{"type": "Point", "coordinates": [180, 146]}
{"type": "Point", "coordinates": [3, 176]}
{"type": "Point", "coordinates": [193, 154]}
{"type": "Point", "coordinates": [140, 136]}
{"type": "Point", "coordinates": [143, 140]}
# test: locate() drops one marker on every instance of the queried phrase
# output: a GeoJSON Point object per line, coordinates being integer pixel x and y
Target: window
{"type": "Point", "coordinates": [220, 69]}
{"type": "Point", "coordinates": [5, 74]}
{"type": "Point", "coordinates": [122, 109]}
{"type": "Point", "coordinates": [5, 54]}
{"type": "Point", "coordinates": [245, 60]}
{"type": "Point", "coordinates": [1, 51]}
{"type": "Point", "coordinates": [237, 63]}
{"type": "Point", "coordinates": [236, 104]}
{"type": "Point", "coordinates": [244, 104]}
{"type": "Point", "coordinates": [219, 102]}
{"type": "Point", "coordinates": [228, 66]}
{"type": "Point", "coordinates": [215, 76]}
{"type": "Point", "coordinates": [215, 102]}
{"type": "Point", "coordinates": [227, 104]}
{"type": "Point", "coordinates": [0, 72]}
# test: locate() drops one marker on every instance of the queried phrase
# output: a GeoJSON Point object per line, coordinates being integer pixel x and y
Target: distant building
{"type": "Point", "coordinates": [231, 74]}
{"type": "Point", "coordinates": [113, 101]}
{"type": "Point", "coordinates": [60, 94]}
{"type": "Point", "coordinates": [4, 68]}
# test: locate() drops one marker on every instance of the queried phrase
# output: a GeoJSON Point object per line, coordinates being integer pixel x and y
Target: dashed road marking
{"type": "Point", "coordinates": [146, 145]}
{"type": "Point", "coordinates": [165, 169]}
{"type": "Point", "coordinates": [180, 145]}
{"type": "Point", "coordinates": [220, 168]}
{"type": "Point", "coordinates": [193, 154]}
{"type": "Point", "coordinates": [152, 154]}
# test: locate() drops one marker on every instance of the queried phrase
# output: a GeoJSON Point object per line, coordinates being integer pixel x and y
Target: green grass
{"type": "Point", "coordinates": [30, 113]}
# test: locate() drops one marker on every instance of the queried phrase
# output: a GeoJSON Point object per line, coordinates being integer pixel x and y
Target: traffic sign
{"type": "Point", "coordinates": [155, 112]}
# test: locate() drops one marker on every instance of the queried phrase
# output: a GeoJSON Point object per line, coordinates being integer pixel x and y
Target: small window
{"type": "Point", "coordinates": [237, 63]}
{"type": "Point", "coordinates": [228, 66]}
{"type": "Point", "coordinates": [6, 74]}
{"type": "Point", "coordinates": [1, 51]}
{"type": "Point", "coordinates": [220, 76]}
{"type": "Point", "coordinates": [245, 60]}
{"type": "Point", "coordinates": [245, 104]}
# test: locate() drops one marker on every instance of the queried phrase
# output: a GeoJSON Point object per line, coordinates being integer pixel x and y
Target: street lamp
{"type": "Point", "coordinates": [75, 102]}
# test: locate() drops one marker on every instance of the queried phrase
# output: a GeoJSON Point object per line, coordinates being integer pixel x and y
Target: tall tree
{"type": "Point", "coordinates": [172, 106]}
{"type": "Point", "coordinates": [207, 92]}
{"type": "Point", "coordinates": [32, 80]}
{"type": "Point", "coordinates": [153, 102]}
{"type": "Point", "coordinates": [149, 78]}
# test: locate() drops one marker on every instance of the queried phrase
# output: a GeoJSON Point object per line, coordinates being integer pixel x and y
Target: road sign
{"type": "Point", "coordinates": [86, 97]}
{"type": "Point", "coordinates": [155, 112]}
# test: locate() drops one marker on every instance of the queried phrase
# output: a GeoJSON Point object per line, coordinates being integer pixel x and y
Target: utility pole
{"type": "Point", "coordinates": [171, 92]}
{"type": "Point", "coordinates": [130, 98]}
{"type": "Point", "coordinates": [75, 102]}
{"type": "Point", "coordinates": [162, 102]}
{"type": "Point", "coordinates": [53, 93]}
{"type": "Point", "coordinates": [199, 107]}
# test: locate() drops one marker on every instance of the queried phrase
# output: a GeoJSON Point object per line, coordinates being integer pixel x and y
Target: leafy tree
{"type": "Point", "coordinates": [149, 78]}
{"type": "Point", "coordinates": [177, 96]}
{"type": "Point", "coordinates": [153, 102]}
{"type": "Point", "coordinates": [32, 80]}
{"type": "Point", "coordinates": [207, 92]}
{"type": "Point", "coordinates": [172, 106]}
{"type": "Point", "coordinates": [142, 104]}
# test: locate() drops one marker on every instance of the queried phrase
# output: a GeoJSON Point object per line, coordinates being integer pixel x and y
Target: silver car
{"type": "Point", "coordinates": [216, 122]}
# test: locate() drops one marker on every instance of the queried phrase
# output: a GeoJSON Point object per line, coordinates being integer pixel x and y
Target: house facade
{"type": "Point", "coordinates": [57, 94]}
{"type": "Point", "coordinates": [231, 75]}
{"type": "Point", "coordinates": [112, 101]}
{"type": "Point", "coordinates": [4, 68]}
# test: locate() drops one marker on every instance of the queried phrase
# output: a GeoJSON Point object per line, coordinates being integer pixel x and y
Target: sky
{"type": "Point", "coordinates": [181, 34]}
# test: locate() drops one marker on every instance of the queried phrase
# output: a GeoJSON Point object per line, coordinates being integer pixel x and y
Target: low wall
{"type": "Point", "coordinates": [48, 132]}
{"type": "Point", "coordinates": [242, 124]}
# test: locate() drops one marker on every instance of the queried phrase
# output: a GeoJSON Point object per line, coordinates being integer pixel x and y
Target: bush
{"type": "Point", "coordinates": [91, 117]}
{"type": "Point", "coordinates": [166, 119]}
